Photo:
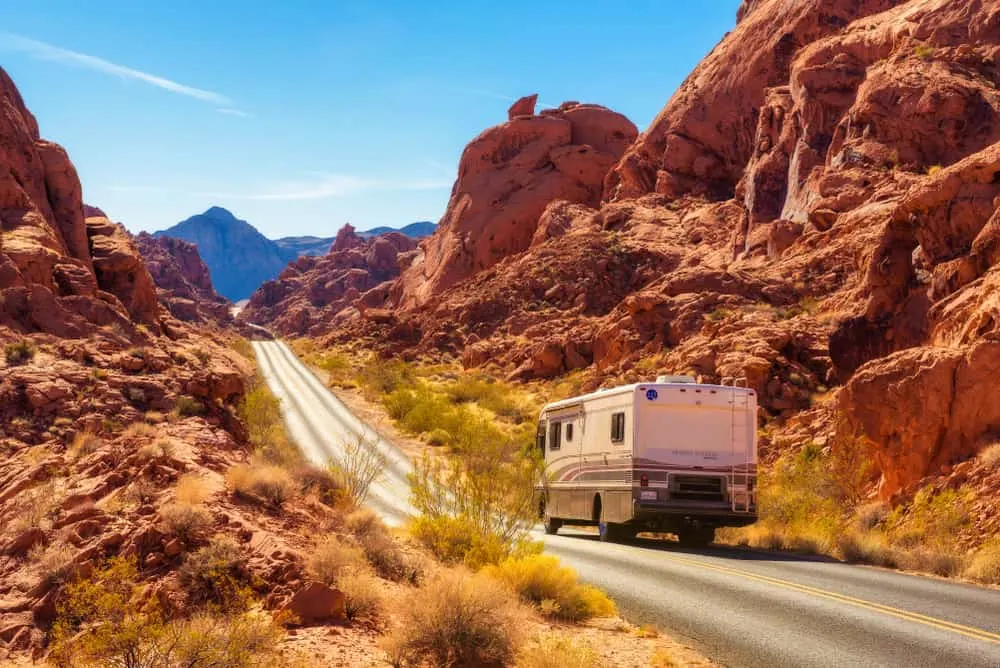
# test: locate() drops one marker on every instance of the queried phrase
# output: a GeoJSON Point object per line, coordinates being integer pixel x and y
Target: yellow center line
{"type": "Point", "coordinates": [969, 631]}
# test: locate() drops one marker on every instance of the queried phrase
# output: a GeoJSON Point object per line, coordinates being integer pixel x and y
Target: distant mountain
{"type": "Point", "coordinates": [240, 258]}
{"type": "Point", "coordinates": [418, 230]}
{"type": "Point", "coordinates": [293, 247]}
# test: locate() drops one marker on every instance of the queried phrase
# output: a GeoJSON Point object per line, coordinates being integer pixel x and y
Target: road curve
{"type": "Point", "coordinates": [739, 607]}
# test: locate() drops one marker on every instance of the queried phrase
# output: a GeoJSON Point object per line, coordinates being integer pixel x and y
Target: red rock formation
{"type": "Point", "coordinates": [182, 280]}
{"type": "Point", "coordinates": [815, 206]}
{"type": "Point", "coordinates": [506, 178]}
{"type": "Point", "coordinates": [312, 292]}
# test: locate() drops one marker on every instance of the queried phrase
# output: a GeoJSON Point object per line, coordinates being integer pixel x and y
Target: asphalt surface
{"type": "Point", "coordinates": [739, 607]}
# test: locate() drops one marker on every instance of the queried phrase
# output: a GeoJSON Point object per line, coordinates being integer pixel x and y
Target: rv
{"type": "Point", "coordinates": [672, 456]}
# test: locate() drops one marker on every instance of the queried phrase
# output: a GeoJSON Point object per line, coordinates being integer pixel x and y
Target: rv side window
{"type": "Point", "coordinates": [569, 431]}
{"type": "Point", "coordinates": [618, 427]}
{"type": "Point", "coordinates": [555, 435]}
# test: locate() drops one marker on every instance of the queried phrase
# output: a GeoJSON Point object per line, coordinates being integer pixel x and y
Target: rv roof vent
{"type": "Point", "coordinates": [675, 379]}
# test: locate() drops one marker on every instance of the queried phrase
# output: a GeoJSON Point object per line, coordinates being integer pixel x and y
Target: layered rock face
{"type": "Point", "coordinates": [182, 280]}
{"type": "Point", "coordinates": [506, 178]}
{"type": "Point", "coordinates": [815, 208]}
{"type": "Point", "coordinates": [313, 292]}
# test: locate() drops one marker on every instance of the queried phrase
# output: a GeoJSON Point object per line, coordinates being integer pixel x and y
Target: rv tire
{"type": "Point", "coordinates": [552, 525]}
{"type": "Point", "coordinates": [695, 536]}
{"type": "Point", "coordinates": [610, 532]}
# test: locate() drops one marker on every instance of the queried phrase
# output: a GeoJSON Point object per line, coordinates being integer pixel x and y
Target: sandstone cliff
{"type": "Point", "coordinates": [313, 292]}
{"type": "Point", "coordinates": [814, 208]}
{"type": "Point", "coordinates": [182, 280]}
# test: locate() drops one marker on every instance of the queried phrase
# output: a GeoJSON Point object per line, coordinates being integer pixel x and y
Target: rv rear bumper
{"type": "Point", "coordinates": [667, 514]}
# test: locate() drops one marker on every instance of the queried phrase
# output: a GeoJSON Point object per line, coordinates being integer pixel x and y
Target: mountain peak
{"type": "Point", "coordinates": [219, 213]}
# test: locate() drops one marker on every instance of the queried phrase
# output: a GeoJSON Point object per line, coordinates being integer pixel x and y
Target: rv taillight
{"type": "Point", "coordinates": [644, 480]}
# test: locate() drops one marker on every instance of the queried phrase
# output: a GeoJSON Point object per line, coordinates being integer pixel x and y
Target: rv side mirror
{"type": "Point", "coordinates": [540, 438]}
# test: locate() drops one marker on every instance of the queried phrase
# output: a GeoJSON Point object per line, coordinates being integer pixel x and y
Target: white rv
{"type": "Point", "coordinates": [673, 456]}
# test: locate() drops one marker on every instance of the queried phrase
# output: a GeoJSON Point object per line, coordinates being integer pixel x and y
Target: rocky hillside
{"type": "Point", "coordinates": [814, 209]}
{"type": "Point", "coordinates": [313, 292]}
{"type": "Point", "coordinates": [182, 280]}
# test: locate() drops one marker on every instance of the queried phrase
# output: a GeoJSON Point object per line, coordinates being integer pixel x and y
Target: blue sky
{"type": "Point", "coordinates": [301, 116]}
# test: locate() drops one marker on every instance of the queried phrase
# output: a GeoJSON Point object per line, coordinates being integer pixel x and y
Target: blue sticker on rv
{"type": "Point", "coordinates": [651, 394]}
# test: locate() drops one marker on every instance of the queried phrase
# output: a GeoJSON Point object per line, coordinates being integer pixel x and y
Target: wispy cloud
{"type": "Point", "coordinates": [326, 185]}
{"type": "Point", "coordinates": [49, 52]}
{"type": "Point", "coordinates": [234, 112]}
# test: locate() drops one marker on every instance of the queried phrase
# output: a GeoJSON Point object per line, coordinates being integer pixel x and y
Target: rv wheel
{"type": "Point", "coordinates": [610, 532]}
{"type": "Point", "coordinates": [552, 525]}
{"type": "Point", "coordinates": [695, 536]}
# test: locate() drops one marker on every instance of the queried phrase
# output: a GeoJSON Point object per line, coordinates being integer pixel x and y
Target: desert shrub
{"type": "Point", "coordinates": [363, 522]}
{"type": "Point", "coordinates": [262, 483]}
{"type": "Point", "coordinates": [457, 620]}
{"type": "Point", "coordinates": [871, 515]}
{"type": "Point", "coordinates": [216, 575]}
{"type": "Point", "coordinates": [924, 51]}
{"type": "Point", "coordinates": [386, 557]}
{"type": "Point", "coordinates": [136, 396]}
{"type": "Point", "coordinates": [380, 377]}
{"type": "Point", "coordinates": [19, 352]}
{"type": "Point", "coordinates": [191, 489]}
{"type": "Point", "coordinates": [190, 523]}
{"type": "Point", "coordinates": [140, 430]}
{"type": "Point", "coordinates": [362, 596]}
{"type": "Point", "coordinates": [478, 506]}
{"type": "Point", "coordinates": [438, 436]}
{"type": "Point", "coordinates": [990, 455]}
{"type": "Point", "coordinates": [161, 448]}
{"type": "Point", "coordinates": [260, 410]}
{"type": "Point", "coordinates": [985, 564]}
{"type": "Point", "coordinates": [867, 548]}
{"type": "Point", "coordinates": [497, 397]}
{"type": "Point", "coordinates": [331, 559]}
{"type": "Point", "coordinates": [34, 507]}
{"type": "Point", "coordinates": [359, 465]}
{"type": "Point", "coordinates": [317, 480]}
{"type": "Point", "coordinates": [931, 559]}
{"type": "Point", "coordinates": [931, 520]}
{"type": "Point", "coordinates": [556, 652]}
{"type": "Point", "coordinates": [122, 633]}
{"type": "Point", "coordinates": [84, 443]}
{"type": "Point", "coordinates": [188, 407]}
{"type": "Point", "coordinates": [53, 563]}
{"type": "Point", "coordinates": [143, 491]}
{"type": "Point", "coordinates": [538, 578]}
{"type": "Point", "coordinates": [202, 355]}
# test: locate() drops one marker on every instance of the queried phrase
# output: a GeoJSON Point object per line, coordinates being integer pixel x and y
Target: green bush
{"type": "Point", "coordinates": [188, 407]}
{"type": "Point", "coordinates": [19, 352]}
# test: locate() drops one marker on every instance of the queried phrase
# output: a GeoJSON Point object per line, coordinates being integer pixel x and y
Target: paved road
{"type": "Point", "coordinates": [739, 607]}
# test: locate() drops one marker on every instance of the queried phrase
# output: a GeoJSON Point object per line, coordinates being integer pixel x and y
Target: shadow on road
{"type": "Point", "coordinates": [725, 551]}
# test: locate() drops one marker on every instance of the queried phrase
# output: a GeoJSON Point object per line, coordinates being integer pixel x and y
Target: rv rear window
{"type": "Point", "coordinates": [618, 427]}
{"type": "Point", "coordinates": [555, 435]}
{"type": "Point", "coordinates": [569, 431]}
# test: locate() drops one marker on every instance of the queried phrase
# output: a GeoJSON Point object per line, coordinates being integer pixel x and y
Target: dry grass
{"type": "Point", "coordinates": [363, 599]}
{"type": "Point", "coordinates": [556, 652]}
{"type": "Point", "coordinates": [84, 443]}
{"type": "Point", "coordinates": [53, 563]}
{"type": "Point", "coordinates": [140, 430]}
{"type": "Point", "coordinates": [541, 580]}
{"type": "Point", "coordinates": [990, 455]}
{"type": "Point", "coordinates": [19, 352]}
{"type": "Point", "coordinates": [267, 484]}
{"type": "Point", "coordinates": [191, 489]}
{"type": "Point", "coordinates": [931, 559]}
{"type": "Point", "coordinates": [331, 559]}
{"type": "Point", "coordinates": [143, 491]}
{"type": "Point", "coordinates": [663, 659]}
{"type": "Point", "coordinates": [190, 523]}
{"type": "Point", "coordinates": [34, 507]}
{"type": "Point", "coordinates": [457, 620]}
{"type": "Point", "coordinates": [161, 448]}
{"type": "Point", "coordinates": [985, 564]}
{"type": "Point", "coordinates": [867, 547]}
